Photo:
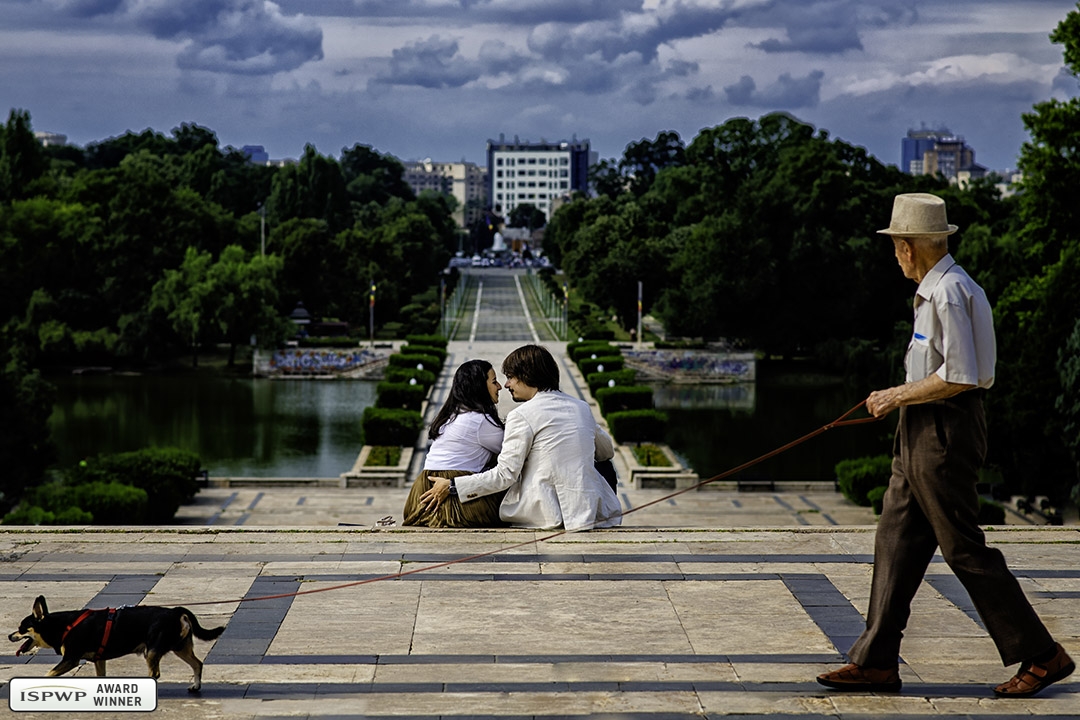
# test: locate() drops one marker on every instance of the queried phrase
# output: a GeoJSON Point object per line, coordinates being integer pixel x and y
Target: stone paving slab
{"type": "Point", "coordinates": [642, 623]}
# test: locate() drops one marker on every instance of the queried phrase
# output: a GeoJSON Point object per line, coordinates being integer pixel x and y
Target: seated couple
{"type": "Point", "coordinates": [545, 475]}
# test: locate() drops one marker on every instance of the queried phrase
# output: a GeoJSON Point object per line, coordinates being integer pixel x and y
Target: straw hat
{"type": "Point", "coordinates": [918, 214]}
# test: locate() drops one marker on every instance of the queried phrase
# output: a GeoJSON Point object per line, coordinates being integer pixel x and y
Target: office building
{"type": "Point", "coordinates": [938, 152]}
{"type": "Point", "coordinates": [535, 173]}
{"type": "Point", "coordinates": [464, 181]}
{"type": "Point", "coordinates": [256, 154]}
{"type": "Point", "coordinates": [48, 139]}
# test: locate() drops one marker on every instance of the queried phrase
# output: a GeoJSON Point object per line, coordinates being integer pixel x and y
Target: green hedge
{"type": "Point", "coordinates": [629, 426]}
{"type": "Point", "coordinates": [384, 426]}
{"type": "Point", "coordinates": [858, 476]}
{"type": "Point", "coordinates": [430, 362]}
{"type": "Point", "coordinates": [437, 341]}
{"type": "Point", "coordinates": [601, 379]}
{"type": "Point", "coordinates": [37, 515]}
{"type": "Point", "coordinates": [580, 350]}
{"type": "Point", "coordinates": [404, 375]}
{"type": "Point", "coordinates": [424, 350]}
{"type": "Point", "coordinates": [402, 396]}
{"type": "Point", "coordinates": [610, 363]}
{"type": "Point", "coordinates": [624, 397]}
{"type": "Point", "coordinates": [168, 475]}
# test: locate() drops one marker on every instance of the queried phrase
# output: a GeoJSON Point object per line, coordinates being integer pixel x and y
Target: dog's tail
{"type": "Point", "coordinates": [191, 623]}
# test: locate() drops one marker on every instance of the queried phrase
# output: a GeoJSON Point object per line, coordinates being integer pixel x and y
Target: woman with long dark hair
{"type": "Point", "coordinates": [466, 436]}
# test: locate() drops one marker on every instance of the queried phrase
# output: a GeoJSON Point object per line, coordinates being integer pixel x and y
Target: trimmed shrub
{"type": "Point", "coordinates": [579, 350]}
{"type": "Point", "coordinates": [404, 375]}
{"type": "Point", "coordinates": [858, 476]}
{"type": "Point", "coordinates": [991, 513]}
{"type": "Point", "coordinates": [436, 341]}
{"type": "Point", "coordinates": [876, 496]}
{"type": "Point", "coordinates": [601, 379]}
{"type": "Point", "coordinates": [610, 363]}
{"type": "Point", "coordinates": [592, 331]}
{"type": "Point", "coordinates": [114, 503]}
{"type": "Point", "coordinates": [424, 350]}
{"type": "Point", "coordinates": [400, 395]}
{"type": "Point", "coordinates": [36, 515]}
{"type": "Point", "coordinates": [383, 456]}
{"type": "Point", "coordinates": [650, 455]}
{"type": "Point", "coordinates": [168, 475]}
{"type": "Point", "coordinates": [630, 426]}
{"type": "Point", "coordinates": [430, 362]}
{"type": "Point", "coordinates": [624, 397]}
{"type": "Point", "coordinates": [384, 426]}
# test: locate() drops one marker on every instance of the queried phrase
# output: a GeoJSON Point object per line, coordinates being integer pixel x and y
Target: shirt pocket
{"type": "Point", "coordinates": [922, 358]}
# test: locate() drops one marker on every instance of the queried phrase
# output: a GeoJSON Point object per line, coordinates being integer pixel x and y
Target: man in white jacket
{"type": "Point", "coordinates": [549, 451]}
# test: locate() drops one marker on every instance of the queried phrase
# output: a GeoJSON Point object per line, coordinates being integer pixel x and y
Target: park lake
{"type": "Point", "coordinates": [248, 427]}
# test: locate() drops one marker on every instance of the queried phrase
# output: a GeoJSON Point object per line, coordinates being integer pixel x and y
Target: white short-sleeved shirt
{"type": "Point", "coordinates": [466, 442]}
{"type": "Point", "coordinates": [953, 335]}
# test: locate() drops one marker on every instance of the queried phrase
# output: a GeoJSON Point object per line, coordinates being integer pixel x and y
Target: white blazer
{"type": "Point", "coordinates": [546, 465]}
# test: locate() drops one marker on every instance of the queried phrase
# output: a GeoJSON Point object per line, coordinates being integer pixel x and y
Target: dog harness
{"type": "Point", "coordinates": [104, 638]}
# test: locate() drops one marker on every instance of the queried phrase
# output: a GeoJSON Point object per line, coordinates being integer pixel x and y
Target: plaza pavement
{"type": "Point", "coordinates": [707, 605]}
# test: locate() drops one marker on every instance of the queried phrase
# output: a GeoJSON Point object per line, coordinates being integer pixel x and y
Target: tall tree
{"type": "Point", "coordinates": [1038, 309]}
{"type": "Point", "coordinates": [22, 161]}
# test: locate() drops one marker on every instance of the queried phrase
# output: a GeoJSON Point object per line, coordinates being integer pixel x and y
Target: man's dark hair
{"type": "Point", "coordinates": [534, 366]}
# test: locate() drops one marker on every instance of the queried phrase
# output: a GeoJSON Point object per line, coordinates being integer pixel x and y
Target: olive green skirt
{"type": "Point", "coordinates": [451, 513]}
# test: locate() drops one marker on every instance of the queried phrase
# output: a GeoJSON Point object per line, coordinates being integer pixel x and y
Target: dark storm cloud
{"type": "Point", "coordinates": [642, 34]}
{"type": "Point", "coordinates": [826, 26]}
{"type": "Point", "coordinates": [88, 8]}
{"type": "Point", "coordinates": [245, 37]}
{"type": "Point", "coordinates": [786, 93]}
{"type": "Point", "coordinates": [431, 63]}
{"type": "Point", "coordinates": [525, 12]}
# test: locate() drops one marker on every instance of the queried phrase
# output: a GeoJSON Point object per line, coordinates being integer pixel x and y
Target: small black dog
{"type": "Point", "coordinates": [100, 635]}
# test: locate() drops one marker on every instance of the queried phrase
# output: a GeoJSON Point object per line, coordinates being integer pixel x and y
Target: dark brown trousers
{"type": "Point", "coordinates": [932, 502]}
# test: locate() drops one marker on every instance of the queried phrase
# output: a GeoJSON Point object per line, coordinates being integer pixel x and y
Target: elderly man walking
{"type": "Point", "coordinates": [940, 444]}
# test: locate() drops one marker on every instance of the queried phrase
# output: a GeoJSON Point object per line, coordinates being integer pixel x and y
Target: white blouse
{"type": "Point", "coordinates": [466, 442]}
{"type": "Point", "coordinates": [547, 467]}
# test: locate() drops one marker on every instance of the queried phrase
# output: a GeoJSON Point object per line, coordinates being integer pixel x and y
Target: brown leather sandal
{"type": "Point", "coordinates": [1031, 678]}
{"type": "Point", "coordinates": [855, 678]}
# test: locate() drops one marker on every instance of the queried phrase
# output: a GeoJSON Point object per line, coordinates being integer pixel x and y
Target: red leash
{"type": "Point", "coordinates": [841, 421]}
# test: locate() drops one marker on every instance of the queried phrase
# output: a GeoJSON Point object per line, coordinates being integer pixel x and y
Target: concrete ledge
{"type": "Point", "coordinates": [675, 475]}
{"type": "Point", "coordinates": [364, 475]}
{"type": "Point", "coordinates": [285, 482]}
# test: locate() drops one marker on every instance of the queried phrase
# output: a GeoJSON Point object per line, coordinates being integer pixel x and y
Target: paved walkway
{"type": "Point", "coordinates": [630, 623]}
{"type": "Point", "coordinates": [707, 605]}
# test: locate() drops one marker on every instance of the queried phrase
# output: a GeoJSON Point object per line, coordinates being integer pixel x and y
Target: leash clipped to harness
{"type": "Point", "coordinates": [841, 421]}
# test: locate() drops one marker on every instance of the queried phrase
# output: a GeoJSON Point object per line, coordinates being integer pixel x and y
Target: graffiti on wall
{"type": "Point", "coordinates": [318, 361]}
{"type": "Point", "coordinates": [695, 363]}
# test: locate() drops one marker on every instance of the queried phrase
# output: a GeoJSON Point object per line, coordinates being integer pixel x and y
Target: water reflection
{"type": "Point", "coordinates": [239, 427]}
{"type": "Point", "coordinates": [714, 428]}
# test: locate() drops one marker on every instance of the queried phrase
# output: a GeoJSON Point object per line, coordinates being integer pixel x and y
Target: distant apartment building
{"type": "Point", "coordinates": [256, 154]}
{"type": "Point", "coordinates": [48, 139]}
{"type": "Point", "coordinates": [939, 152]}
{"type": "Point", "coordinates": [535, 173]}
{"type": "Point", "coordinates": [464, 181]}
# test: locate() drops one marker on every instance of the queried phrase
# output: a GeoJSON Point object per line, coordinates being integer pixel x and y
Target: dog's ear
{"type": "Point", "coordinates": [41, 609]}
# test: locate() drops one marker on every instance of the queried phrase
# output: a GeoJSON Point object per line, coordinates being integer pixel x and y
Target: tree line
{"type": "Point", "coordinates": [141, 248]}
{"type": "Point", "coordinates": [763, 232]}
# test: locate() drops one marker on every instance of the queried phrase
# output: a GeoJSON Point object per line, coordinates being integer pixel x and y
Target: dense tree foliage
{"type": "Point", "coordinates": [144, 247]}
{"type": "Point", "coordinates": [764, 233]}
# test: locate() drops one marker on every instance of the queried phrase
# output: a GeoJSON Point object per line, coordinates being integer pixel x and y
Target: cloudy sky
{"type": "Point", "coordinates": [437, 78]}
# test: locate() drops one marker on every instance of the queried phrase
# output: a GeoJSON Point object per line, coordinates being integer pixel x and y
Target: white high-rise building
{"type": "Point", "coordinates": [535, 173]}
